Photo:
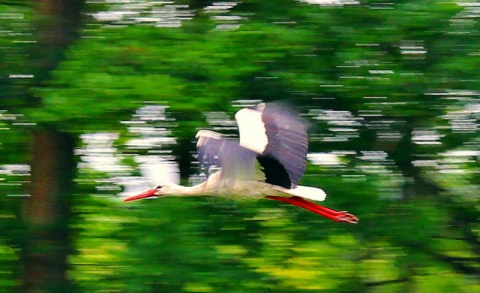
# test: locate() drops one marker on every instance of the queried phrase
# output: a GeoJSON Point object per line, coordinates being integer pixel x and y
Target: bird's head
{"type": "Point", "coordinates": [157, 191]}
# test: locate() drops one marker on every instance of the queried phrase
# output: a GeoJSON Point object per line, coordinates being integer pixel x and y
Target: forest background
{"type": "Point", "coordinates": [96, 94]}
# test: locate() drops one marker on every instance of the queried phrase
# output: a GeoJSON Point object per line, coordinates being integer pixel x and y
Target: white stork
{"type": "Point", "coordinates": [267, 162]}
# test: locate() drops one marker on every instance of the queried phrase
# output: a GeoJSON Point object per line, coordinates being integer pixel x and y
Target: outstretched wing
{"type": "Point", "coordinates": [280, 138]}
{"type": "Point", "coordinates": [237, 162]}
{"type": "Point", "coordinates": [209, 144]}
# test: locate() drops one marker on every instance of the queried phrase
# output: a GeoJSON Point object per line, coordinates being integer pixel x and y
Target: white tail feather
{"type": "Point", "coordinates": [313, 193]}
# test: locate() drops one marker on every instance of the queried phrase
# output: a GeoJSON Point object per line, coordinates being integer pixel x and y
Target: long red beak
{"type": "Point", "coordinates": [148, 193]}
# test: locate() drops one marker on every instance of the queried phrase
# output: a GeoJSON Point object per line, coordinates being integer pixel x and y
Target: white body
{"type": "Point", "coordinates": [214, 185]}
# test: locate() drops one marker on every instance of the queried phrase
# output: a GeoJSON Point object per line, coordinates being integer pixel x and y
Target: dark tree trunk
{"type": "Point", "coordinates": [47, 213]}
{"type": "Point", "coordinates": [57, 27]}
{"type": "Point", "coordinates": [47, 210]}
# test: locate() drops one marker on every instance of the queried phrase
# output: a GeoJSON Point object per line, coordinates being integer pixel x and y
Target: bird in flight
{"type": "Point", "coordinates": [267, 162]}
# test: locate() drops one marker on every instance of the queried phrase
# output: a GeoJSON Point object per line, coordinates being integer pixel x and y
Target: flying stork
{"type": "Point", "coordinates": [267, 162]}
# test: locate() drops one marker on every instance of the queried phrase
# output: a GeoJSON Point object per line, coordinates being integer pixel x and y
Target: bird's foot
{"type": "Point", "coordinates": [346, 217]}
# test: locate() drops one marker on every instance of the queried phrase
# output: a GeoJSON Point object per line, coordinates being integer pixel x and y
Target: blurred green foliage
{"type": "Point", "coordinates": [409, 65]}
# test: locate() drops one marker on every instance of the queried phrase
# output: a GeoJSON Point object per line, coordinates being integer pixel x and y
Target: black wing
{"type": "Point", "coordinates": [287, 144]}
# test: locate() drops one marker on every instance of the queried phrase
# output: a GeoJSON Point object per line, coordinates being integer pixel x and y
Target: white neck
{"type": "Point", "coordinates": [205, 188]}
{"type": "Point", "coordinates": [180, 190]}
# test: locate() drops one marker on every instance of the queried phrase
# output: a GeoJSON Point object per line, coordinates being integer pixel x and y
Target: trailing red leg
{"type": "Point", "coordinates": [338, 216]}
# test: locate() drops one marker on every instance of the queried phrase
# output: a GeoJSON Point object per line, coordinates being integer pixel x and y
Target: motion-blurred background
{"type": "Point", "coordinates": [102, 98]}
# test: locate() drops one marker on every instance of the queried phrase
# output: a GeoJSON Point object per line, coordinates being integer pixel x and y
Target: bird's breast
{"type": "Point", "coordinates": [248, 190]}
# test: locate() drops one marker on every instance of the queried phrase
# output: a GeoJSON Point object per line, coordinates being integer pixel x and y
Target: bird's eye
{"type": "Point", "coordinates": [158, 187]}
